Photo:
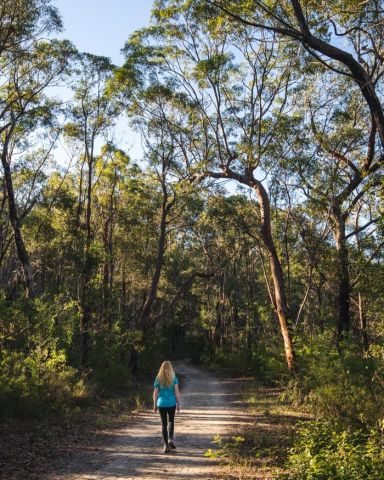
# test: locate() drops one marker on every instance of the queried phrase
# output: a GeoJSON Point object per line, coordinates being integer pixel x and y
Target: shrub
{"type": "Point", "coordinates": [109, 371]}
{"type": "Point", "coordinates": [32, 384]}
{"type": "Point", "coordinates": [326, 451]}
{"type": "Point", "coordinates": [35, 375]}
{"type": "Point", "coordinates": [339, 383]}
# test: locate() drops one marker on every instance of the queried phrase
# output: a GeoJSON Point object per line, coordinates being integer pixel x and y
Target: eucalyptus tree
{"type": "Point", "coordinates": [29, 63]}
{"type": "Point", "coordinates": [168, 174]}
{"type": "Point", "coordinates": [342, 42]}
{"type": "Point", "coordinates": [92, 114]}
{"type": "Point", "coordinates": [345, 37]}
{"type": "Point", "coordinates": [335, 170]}
{"type": "Point", "coordinates": [233, 301]}
{"type": "Point", "coordinates": [366, 270]}
{"type": "Point", "coordinates": [230, 97]}
{"type": "Point", "coordinates": [112, 171]}
{"type": "Point", "coordinates": [171, 190]}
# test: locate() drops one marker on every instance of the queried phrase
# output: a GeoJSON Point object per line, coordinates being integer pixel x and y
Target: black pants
{"type": "Point", "coordinates": [170, 412]}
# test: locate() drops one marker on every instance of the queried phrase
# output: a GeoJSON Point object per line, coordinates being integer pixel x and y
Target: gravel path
{"type": "Point", "coordinates": [210, 406]}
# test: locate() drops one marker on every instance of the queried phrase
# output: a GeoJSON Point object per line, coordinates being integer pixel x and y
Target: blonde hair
{"type": "Point", "coordinates": [166, 374]}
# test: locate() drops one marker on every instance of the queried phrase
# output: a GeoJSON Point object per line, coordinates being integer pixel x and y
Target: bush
{"type": "Point", "coordinates": [267, 365]}
{"type": "Point", "coordinates": [35, 375]}
{"type": "Point", "coordinates": [326, 451]}
{"type": "Point", "coordinates": [35, 383]}
{"type": "Point", "coordinates": [339, 383]}
{"type": "Point", "coordinates": [109, 371]}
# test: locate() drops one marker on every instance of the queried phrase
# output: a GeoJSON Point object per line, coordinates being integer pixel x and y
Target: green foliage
{"type": "Point", "coordinates": [265, 363]}
{"type": "Point", "coordinates": [111, 373]}
{"type": "Point", "coordinates": [36, 383]}
{"type": "Point", "coordinates": [324, 450]}
{"type": "Point", "coordinates": [339, 382]}
{"type": "Point", "coordinates": [39, 358]}
{"type": "Point", "coordinates": [35, 374]}
{"type": "Point", "coordinates": [206, 93]}
{"type": "Point", "coordinates": [226, 446]}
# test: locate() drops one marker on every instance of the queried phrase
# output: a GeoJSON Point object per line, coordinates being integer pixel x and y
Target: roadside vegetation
{"type": "Point", "coordinates": [249, 235]}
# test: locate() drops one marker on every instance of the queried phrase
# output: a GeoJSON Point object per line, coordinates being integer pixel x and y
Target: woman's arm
{"type": "Point", "coordinates": [177, 393]}
{"type": "Point", "coordinates": [155, 397]}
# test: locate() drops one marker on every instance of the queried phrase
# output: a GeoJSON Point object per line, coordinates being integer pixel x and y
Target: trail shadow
{"type": "Point", "coordinates": [135, 461]}
{"type": "Point", "coordinates": [210, 407]}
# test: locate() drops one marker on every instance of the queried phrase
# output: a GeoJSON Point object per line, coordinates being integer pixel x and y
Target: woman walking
{"type": "Point", "coordinates": [166, 398]}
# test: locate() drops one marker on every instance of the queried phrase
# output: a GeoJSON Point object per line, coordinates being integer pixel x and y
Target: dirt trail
{"type": "Point", "coordinates": [210, 406]}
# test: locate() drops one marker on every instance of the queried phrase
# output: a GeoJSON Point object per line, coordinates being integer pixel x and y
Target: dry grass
{"type": "Point", "coordinates": [32, 449]}
{"type": "Point", "coordinates": [259, 449]}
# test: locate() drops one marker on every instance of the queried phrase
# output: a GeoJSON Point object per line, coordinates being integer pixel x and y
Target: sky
{"type": "Point", "coordinates": [102, 27]}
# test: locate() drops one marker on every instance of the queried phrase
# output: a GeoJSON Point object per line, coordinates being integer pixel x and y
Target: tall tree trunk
{"type": "Point", "coordinates": [279, 296]}
{"type": "Point", "coordinates": [108, 268]}
{"type": "Point", "coordinates": [363, 324]}
{"type": "Point", "coordinates": [219, 326]}
{"type": "Point", "coordinates": [343, 296]}
{"type": "Point", "coordinates": [106, 315]}
{"type": "Point", "coordinates": [87, 271]}
{"type": "Point", "coordinates": [151, 296]}
{"type": "Point", "coordinates": [108, 274]}
{"type": "Point", "coordinates": [15, 221]}
{"type": "Point", "coordinates": [123, 296]}
{"type": "Point", "coordinates": [79, 208]}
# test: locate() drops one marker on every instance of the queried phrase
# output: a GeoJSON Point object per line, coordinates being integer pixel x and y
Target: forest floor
{"type": "Point", "coordinates": [252, 428]}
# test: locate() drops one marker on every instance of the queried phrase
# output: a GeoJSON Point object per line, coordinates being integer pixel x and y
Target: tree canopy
{"type": "Point", "coordinates": [250, 232]}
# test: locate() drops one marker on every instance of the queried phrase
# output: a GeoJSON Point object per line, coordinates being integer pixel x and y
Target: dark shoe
{"type": "Point", "coordinates": [166, 449]}
{"type": "Point", "coordinates": [172, 444]}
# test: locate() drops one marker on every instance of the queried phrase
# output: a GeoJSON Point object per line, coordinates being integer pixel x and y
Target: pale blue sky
{"type": "Point", "coordinates": [102, 27]}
